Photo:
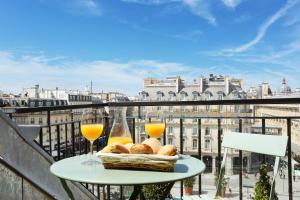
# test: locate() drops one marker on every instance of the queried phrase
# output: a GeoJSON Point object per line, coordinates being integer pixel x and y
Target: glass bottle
{"type": "Point", "coordinates": [120, 132]}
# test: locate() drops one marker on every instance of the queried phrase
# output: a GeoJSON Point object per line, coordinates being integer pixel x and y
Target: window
{"type": "Point", "coordinates": [159, 96]}
{"type": "Point", "coordinates": [170, 129]}
{"type": "Point", "coordinates": [195, 131]}
{"type": "Point", "coordinates": [195, 108]}
{"type": "Point", "coordinates": [236, 108]}
{"type": "Point", "coordinates": [207, 145]}
{"type": "Point", "coordinates": [32, 120]}
{"type": "Point", "coordinates": [171, 97]}
{"type": "Point", "coordinates": [195, 96]}
{"type": "Point", "coordinates": [142, 139]}
{"type": "Point", "coordinates": [144, 97]}
{"type": "Point", "coordinates": [40, 120]}
{"type": "Point", "coordinates": [170, 108]}
{"type": "Point", "coordinates": [182, 96]}
{"type": "Point", "coordinates": [170, 141]}
{"type": "Point", "coordinates": [207, 97]}
{"type": "Point", "coordinates": [220, 97]}
{"type": "Point", "coordinates": [207, 131]}
{"type": "Point", "coordinates": [40, 103]}
{"type": "Point", "coordinates": [142, 129]}
{"type": "Point", "coordinates": [170, 118]}
{"type": "Point", "coordinates": [195, 143]}
{"type": "Point", "coordinates": [195, 120]}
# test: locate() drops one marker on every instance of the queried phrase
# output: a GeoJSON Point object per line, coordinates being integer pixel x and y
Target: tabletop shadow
{"type": "Point", "coordinates": [180, 168]}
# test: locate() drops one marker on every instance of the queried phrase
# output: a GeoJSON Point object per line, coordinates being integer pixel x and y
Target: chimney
{"type": "Point", "coordinates": [201, 84]}
{"type": "Point", "coordinates": [226, 80]}
{"type": "Point", "coordinates": [264, 89]}
{"type": "Point", "coordinates": [36, 91]}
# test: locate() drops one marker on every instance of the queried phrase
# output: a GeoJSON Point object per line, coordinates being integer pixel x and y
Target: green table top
{"type": "Point", "coordinates": [72, 169]}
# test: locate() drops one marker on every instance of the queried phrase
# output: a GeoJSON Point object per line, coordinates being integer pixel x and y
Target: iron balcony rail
{"type": "Point", "coordinates": [164, 103]}
{"type": "Point", "coordinates": [79, 144]}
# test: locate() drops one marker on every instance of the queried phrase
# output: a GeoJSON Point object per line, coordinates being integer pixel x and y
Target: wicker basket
{"type": "Point", "coordinates": [151, 162]}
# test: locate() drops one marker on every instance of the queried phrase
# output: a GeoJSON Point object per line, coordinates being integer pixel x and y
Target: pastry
{"type": "Point", "coordinates": [129, 145]}
{"type": "Point", "coordinates": [168, 150]}
{"type": "Point", "coordinates": [153, 143]}
{"type": "Point", "coordinates": [107, 149]}
{"type": "Point", "coordinates": [141, 149]}
{"type": "Point", "coordinates": [116, 148]}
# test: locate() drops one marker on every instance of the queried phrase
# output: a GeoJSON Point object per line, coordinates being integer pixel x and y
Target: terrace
{"type": "Point", "coordinates": [53, 140]}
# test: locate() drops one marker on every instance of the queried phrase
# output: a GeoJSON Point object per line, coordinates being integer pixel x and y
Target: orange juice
{"type": "Point", "coordinates": [155, 130]}
{"type": "Point", "coordinates": [91, 131]}
{"type": "Point", "coordinates": [122, 140]}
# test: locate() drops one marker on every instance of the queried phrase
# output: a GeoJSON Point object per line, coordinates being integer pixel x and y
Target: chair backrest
{"type": "Point", "coordinates": [257, 143]}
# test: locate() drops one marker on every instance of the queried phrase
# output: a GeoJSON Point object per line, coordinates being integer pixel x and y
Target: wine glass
{"type": "Point", "coordinates": [155, 127]}
{"type": "Point", "coordinates": [91, 128]}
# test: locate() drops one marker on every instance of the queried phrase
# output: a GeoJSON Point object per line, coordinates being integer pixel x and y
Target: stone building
{"type": "Point", "coordinates": [285, 91]}
{"type": "Point", "coordinates": [210, 88]}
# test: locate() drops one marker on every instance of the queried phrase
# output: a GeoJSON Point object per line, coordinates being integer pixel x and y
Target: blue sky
{"type": "Point", "coordinates": [117, 43]}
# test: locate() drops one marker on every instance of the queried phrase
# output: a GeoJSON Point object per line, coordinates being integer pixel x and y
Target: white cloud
{"type": "Point", "coordinates": [231, 3]}
{"type": "Point", "coordinates": [24, 70]}
{"type": "Point", "coordinates": [151, 2]}
{"type": "Point", "coordinates": [262, 29]}
{"type": "Point", "coordinates": [199, 8]}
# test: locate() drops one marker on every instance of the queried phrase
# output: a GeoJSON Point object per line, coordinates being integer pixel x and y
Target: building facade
{"type": "Point", "coordinates": [285, 91]}
{"type": "Point", "coordinates": [210, 88]}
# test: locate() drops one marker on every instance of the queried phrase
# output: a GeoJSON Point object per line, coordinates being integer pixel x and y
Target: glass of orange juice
{"type": "Point", "coordinates": [91, 128]}
{"type": "Point", "coordinates": [155, 127]}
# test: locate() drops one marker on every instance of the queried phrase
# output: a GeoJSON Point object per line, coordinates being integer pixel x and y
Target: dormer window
{"type": "Point", "coordinates": [183, 95]}
{"type": "Point", "coordinates": [195, 96]}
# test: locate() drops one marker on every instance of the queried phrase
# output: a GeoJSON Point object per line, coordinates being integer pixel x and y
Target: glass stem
{"type": "Point", "coordinates": [91, 147]}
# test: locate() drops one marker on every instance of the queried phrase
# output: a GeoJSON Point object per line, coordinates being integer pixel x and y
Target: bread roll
{"type": "Point", "coordinates": [153, 143]}
{"type": "Point", "coordinates": [168, 150]}
{"type": "Point", "coordinates": [128, 146]}
{"type": "Point", "coordinates": [119, 148]}
{"type": "Point", "coordinates": [141, 149]}
{"type": "Point", "coordinates": [107, 149]}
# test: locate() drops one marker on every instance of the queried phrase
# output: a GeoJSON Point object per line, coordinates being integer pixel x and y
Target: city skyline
{"type": "Point", "coordinates": [118, 43]}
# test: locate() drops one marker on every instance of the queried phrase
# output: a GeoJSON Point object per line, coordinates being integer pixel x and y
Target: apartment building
{"type": "Point", "coordinates": [209, 88]}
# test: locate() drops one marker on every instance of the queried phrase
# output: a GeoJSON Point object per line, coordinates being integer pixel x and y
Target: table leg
{"type": "Point", "coordinates": [168, 189]}
{"type": "Point", "coordinates": [136, 191]}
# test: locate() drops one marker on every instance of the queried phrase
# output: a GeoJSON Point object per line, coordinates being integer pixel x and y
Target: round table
{"type": "Point", "coordinates": [72, 169]}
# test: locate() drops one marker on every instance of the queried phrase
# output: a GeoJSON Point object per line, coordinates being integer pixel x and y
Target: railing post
{"type": "Point", "coordinates": [108, 192]}
{"type": "Point", "coordinates": [66, 140]}
{"type": "Point", "coordinates": [121, 192]}
{"type": "Point", "coordinates": [41, 137]}
{"type": "Point", "coordinates": [289, 146]}
{"type": "Point", "coordinates": [58, 142]}
{"type": "Point", "coordinates": [49, 128]}
{"type": "Point", "coordinates": [241, 163]}
{"type": "Point", "coordinates": [133, 130]}
{"type": "Point", "coordinates": [263, 131]}
{"type": "Point", "coordinates": [219, 145]}
{"type": "Point", "coordinates": [181, 152]}
{"type": "Point", "coordinates": [73, 134]}
{"type": "Point", "coordinates": [139, 112]}
{"type": "Point", "coordinates": [164, 134]}
{"type": "Point", "coordinates": [199, 155]}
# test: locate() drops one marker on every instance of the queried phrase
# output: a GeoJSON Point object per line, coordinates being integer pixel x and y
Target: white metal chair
{"type": "Point", "coordinates": [257, 143]}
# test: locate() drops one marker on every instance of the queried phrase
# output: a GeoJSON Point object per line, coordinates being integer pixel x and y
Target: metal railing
{"type": "Point", "coordinates": [78, 145]}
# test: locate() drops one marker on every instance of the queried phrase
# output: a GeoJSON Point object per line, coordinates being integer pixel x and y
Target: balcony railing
{"type": "Point", "coordinates": [69, 141]}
